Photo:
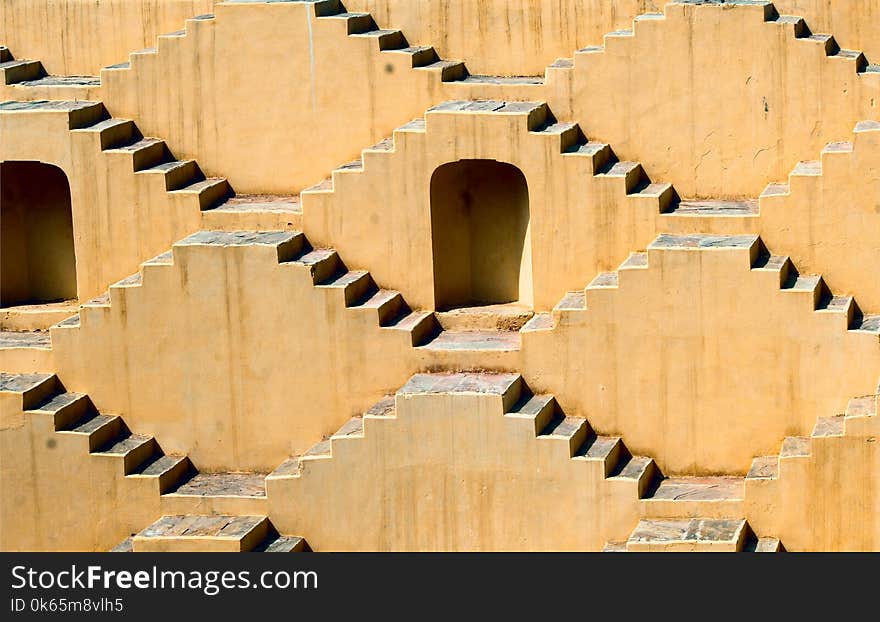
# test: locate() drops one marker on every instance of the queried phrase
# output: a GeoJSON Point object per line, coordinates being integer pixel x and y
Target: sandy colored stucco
{"type": "Point", "coordinates": [652, 375]}
{"type": "Point", "coordinates": [827, 499]}
{"type": "Point", "coordinates": [55, 495]}
{"type": "Point", "coordinates": [774, 80]}
{"type": "Point", "coordinates": [496, 37]}
{"type": "Point", "coordinates": [704, 354]}
{"type": "Point", "coordinates": [462, 491]}
{"type": "Point", "coordinates": [35, 29]}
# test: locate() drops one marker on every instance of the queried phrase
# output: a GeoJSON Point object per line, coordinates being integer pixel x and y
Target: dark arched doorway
{"type": "Point", "coordinates": [479, 227]}
{"type": "Point", "coordinates": [37, 262]}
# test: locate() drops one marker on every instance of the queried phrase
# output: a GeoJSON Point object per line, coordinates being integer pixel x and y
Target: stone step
{"type": "Point", "coordinates": [180, 533]}
{"type": "Point", "coordinates": [221, 485]}
{"type": "Point", "coordinates": [500, 317]}
{"type": "Point", "coordinates": [689, 535]}
{"type": "Point", "coordinates": [27, 339]}
{"type": "Point", "coordinates": [34, 389]}
{"type": "Point", "coordinates": [36, 316]}
{"type": "Point", "coordinates": [482, 340]}
{"type": "Point", "coordinates": [715, 208]}
{"type": "Point", "coordinates": [693, 497]}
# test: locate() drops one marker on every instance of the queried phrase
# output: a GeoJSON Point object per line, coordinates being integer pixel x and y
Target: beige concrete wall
{"type": "Point", "coordinates": [264, 363]}
{"type": "Point", "coordinates": [580, 222]}
{"type": "Point", "coordinates": [697, 360]}
{"type": "Point", "coordinates": [830, 223]}
{"type": "Point", "coordinates": [120, 217]}
{"type": "Point", "coordinates": [714, 99]}
{"type": "Point", "coordinates": [521, 37]}
{"type": "Point", "coordinates": [769, 85]}
{"type": "Point", "coordinates": [825, 216]}
{"type": "Point", "coordinates": [700, 361]}
{"type": "Point", "coordinates": [482, 483]}
{"type": "Point", "coordinates": [255, 134]}
{"type": "Point", "coordinates": [78, 37]}
{"type": "Point", "coordinates": [828, 499]}
{"type": "Point", "coordinates": [57, 497]}
{"type": "Point", "coordinates": [284, 75]}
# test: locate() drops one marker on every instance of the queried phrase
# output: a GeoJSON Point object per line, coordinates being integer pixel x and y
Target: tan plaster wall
{"type": "Point", "coordinates": [452, 472]}
{"type": "Point", "coordinates": [496, 37]}
{"type": "Point", "coordinates": [697, 360]}
{"type": "Point", "coordinates": [576, 217]}
{"type": "Point", "coordinates": [78, 37]}
{"type": "Point", "coordinates": [714, 99]}
{"type": "Point", "coordinates": [828, 500]}
{"type": "Point", "coordinates": [700, 361]}
{"type": "Point", "coordinates": [521, 37]}
{"type": "Point", "coordinates": [56, 497]}
{"type": "Point", "coordinates": [234, 323]}
{"type": "Point", "coordinates": [677, 72]}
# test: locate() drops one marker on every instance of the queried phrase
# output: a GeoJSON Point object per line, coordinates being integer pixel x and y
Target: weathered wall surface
{"type": "Point", "coordinates": [826, 216]}
{"type": "Point", "coordinates": [828, 497]}
{"type": "Point", "coordinates": [484, 482]}
{"type": "Point", "coordinates": [504, 37]}
{"type": "Point", "coordinates": [264, 362]}
{"type": "Point", "coordinates": [496, 37]}
{"type": "Point", "coordinates": [242, 90]}
{"type": "Point", "coordinates": [670, 360]}
{"type": "Point", "coordinates": [78, 37]}
{"type": "Point", "coordinates": [829, 220]}
{"type": "Point", "coordinates": [698, 359]}
{"type": "Point", "coordinates": [57, 497]}
{"type": "Point", "coordinates": [713, 98]}
{"type": "Point", "coordinates": [769, 85]}
{"type": "Point", "coordinates": [122, 211]}
{"type": "Point", "coordinates": [571, 205]}
{"type": "Point", "coordinates": [521, 37]}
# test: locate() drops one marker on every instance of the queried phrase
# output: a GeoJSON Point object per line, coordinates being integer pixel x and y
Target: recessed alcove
{"type": "Point", "coordinates": [480, 235]}
{"type": "Point", "coordinates": [37, 261]}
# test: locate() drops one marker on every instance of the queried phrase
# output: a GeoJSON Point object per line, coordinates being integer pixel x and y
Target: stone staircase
{"type": "Point", "coordinates": [175, 484]}
{"type": "Point", "coordinates": [663, 502]}
{"type": "Point", "coordinates": [356, 290]}
{"type": "Point", "coordinates": [843, 310]}
{"type": "Point", "coordinates": [793, 25]}
{"type": "Point", "coordinates": [849, 85]}
{"type": "Point", "coordinates": [858, 418]}
{"type": "Point", "coordinates": [183, 180]}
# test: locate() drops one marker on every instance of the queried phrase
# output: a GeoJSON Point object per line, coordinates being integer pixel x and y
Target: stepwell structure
{"type": "Point", "coordinates": [374, 275]}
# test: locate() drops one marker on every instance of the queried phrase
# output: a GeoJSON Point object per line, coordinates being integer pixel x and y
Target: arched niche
{"type": "Point", "coordinates": [480, 235]}
{"type": "Point", "coordinates": [37, 262]}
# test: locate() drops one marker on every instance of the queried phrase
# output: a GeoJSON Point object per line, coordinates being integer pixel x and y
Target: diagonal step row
{"type": "Point", "coordinates": [703, 498]}
{"type": "Point", "coordinates": [810, 288]}
{"type": "Point", "coordinates": [356, 289]}
{"type": "Point", "coordinates": [860, 412]}
{"type": "Point", "coordinates": [179, 486]}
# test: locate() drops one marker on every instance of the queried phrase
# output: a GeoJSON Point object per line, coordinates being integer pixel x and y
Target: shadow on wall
{"type": "Point", "coordinates": [480, 234]}
{"type": "Point", "coordinates": [37, 262]}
